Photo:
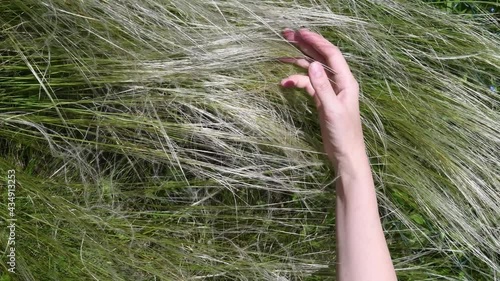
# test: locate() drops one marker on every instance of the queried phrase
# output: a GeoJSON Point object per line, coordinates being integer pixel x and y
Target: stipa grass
{"type": "Point", "coordinates": [151, 141]}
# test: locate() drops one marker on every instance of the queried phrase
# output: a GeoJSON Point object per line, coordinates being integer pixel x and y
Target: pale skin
{"type": "Point", "coordinates": [361, 246]}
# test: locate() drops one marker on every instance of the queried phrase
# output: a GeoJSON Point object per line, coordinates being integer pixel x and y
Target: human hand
{"type": "Point", "coordinates": [335, 92]}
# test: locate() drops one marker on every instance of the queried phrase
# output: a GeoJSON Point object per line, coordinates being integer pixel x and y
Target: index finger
{"type": "Point", "coordinates": [342, 77]}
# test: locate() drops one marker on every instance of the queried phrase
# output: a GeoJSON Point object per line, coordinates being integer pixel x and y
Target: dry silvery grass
{"type": "Point", "coordinates": [152, 142]}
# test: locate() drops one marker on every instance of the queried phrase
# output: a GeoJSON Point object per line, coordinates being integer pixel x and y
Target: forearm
{"type": "Point", "coordinates": [361, 246]}
{"type": "Point", "coordinates": [362, 250]}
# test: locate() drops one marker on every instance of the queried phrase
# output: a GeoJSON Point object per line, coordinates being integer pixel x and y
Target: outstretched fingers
{"type": "Point", "coordinates": [342, 75]}
{"type": "Point", "coordinates": [329, 73]}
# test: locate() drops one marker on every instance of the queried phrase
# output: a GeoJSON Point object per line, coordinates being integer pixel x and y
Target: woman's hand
{"type": "Point", "coordinates": [361, 246]}
{"type": "Point", "coordinates": [335, 92]}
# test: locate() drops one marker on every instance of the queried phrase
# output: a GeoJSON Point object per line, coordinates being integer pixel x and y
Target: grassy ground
{"type": "Point", "coordinates": [151, 141]}
{"type": "Point", "coordinates": [473, 7]}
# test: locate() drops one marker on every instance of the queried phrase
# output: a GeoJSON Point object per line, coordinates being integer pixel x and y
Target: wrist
{"type": "Point", "coordinates": [351, 162]}
{"type": "Point", "coordinates": [353, 173]}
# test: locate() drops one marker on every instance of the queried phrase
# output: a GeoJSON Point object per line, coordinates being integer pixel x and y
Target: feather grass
{"type": "Point", "coordinates": [152, 142]}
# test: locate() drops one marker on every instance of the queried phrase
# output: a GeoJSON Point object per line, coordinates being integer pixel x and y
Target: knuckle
{"type": "Point", "coordinates": [302, 83]}
{"type": "Point", "coordinates": [324, 86]}
{"type": "Point", "coordinates": [355, 85]}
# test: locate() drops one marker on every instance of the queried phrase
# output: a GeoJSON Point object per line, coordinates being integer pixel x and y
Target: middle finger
{"type": "Point", "coordinates": [300, 62]}
{"type": "Point", "coordinates": [295, 38]}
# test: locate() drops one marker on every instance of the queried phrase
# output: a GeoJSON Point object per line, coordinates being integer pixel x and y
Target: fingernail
{"type": "Point", "coordinates": [287, 31]}
{"type": "Point", "coordinates": [289, 84]}
{"type": "Point", "coordinates": [315, 69]}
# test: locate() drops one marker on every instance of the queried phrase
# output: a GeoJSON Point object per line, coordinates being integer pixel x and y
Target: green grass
{"type": "Point", "coordinates": [467, 7]}
{"type": "Point", "coordinates": [151, 140]}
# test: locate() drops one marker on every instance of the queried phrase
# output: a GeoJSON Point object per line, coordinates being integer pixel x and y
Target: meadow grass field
{"type": "Point", "coordinates": [150, 140]}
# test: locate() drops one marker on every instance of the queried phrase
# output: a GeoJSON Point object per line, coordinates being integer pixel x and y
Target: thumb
{"type": "Point", "coordinates": [322, 85]}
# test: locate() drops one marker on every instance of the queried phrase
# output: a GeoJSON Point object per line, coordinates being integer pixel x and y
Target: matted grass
{"type": "Point", "coordinates": [151, 140]}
